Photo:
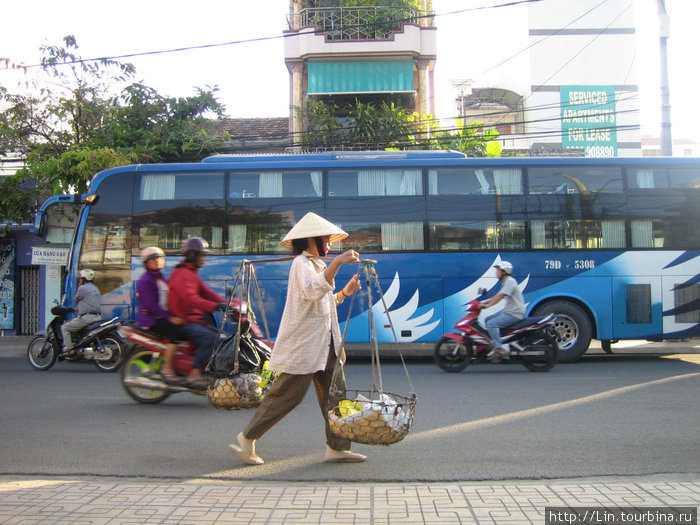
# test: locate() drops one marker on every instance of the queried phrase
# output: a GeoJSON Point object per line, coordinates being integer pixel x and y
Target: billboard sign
{"type": "Point", "coordinates": [588, 119]}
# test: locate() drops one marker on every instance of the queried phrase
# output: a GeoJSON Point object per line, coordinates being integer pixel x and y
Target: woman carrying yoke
{"type": "Point", "coordinates": [309, 338]}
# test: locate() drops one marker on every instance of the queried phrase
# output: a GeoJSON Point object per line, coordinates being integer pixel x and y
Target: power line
{"type": "Point", "coordinates": [545, 38]}
{"type": "Point", "coordinates": [263, 39]}
{"type": "Point", "coordinates": [578, 53]}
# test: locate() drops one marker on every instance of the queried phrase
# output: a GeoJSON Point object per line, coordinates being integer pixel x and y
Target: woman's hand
{"type": "Point", "coordinates": [353, 286]}
{"type": "Point", "coordinates": [350, 256]}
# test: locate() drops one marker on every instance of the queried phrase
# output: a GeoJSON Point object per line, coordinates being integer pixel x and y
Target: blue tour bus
{"type": "Point", "coordinates": [611, 245]}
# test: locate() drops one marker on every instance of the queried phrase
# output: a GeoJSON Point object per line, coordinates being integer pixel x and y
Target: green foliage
{"type": "Point", "coordinates": [322, 125]}
{"type": "Point", "coordinates": [470, 139]}
{"type": "Point", "coordinates": [162, 129]}
{"type": "Point", "coordinates": [365, 128]}
{"type": "Point", "coordinates": [90, 119]}
{"type": "Point", "coordinates": [72, 170]}
{"type": "Point", "coordinates": [389, 126]}
{"type": "Point", "coordinates": [16, 199]}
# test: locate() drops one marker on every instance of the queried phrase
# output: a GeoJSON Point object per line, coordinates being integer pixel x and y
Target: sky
{"type": "Point", "coordinates": [253, 80]}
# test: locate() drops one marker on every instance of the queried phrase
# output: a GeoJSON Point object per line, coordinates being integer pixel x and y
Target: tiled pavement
{"type": "Point", "coordinates": [25, 500]}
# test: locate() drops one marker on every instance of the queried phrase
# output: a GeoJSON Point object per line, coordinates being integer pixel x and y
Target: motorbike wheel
{"type": "Point", "coordinates": [451, 356]}
{"type": "Point", "coordinates": [549, 344]}
{"type": "Point", "coordinates": [142, 362]}
{"type": "Point", "coordinates": [116, 346]}
{"type": "Point", "coordinates": [41, 353]}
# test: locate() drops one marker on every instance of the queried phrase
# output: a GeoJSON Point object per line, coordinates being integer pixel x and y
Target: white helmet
{"type": "Point", "coordinates": [505, 266]}
{"type": "Point", "coordinates": [87, 274]}
{"type": "Point", "coordinates": [150, 253]}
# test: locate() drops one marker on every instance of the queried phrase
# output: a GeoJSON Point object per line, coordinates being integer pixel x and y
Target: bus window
{"type": "Point", "coordinates": [61, 220]}
{"type": "Point", "coordinates": [481, 181]}
{"type": "Point", "coordinates": [665, 233]}
{"type": "Point", "coordinates": [572, 179]}
{"type": "Point", "coordinates": [647, 178]}
{"type": "Point", "coordinates": [376, 237]}
{"type": "Point", "coordinates": [275, 184]}
{"type": "Point", "coordinates": [171, 237]}
{"type": "Point", "coordinates": [255, 230]}
{"type": "Point", "coordinates": [684, 178]}
{"type": "Point", "coordinates": [181, 186]}
{"type": "Point", "coordinates": [103, 245]}
{"type": "Point", "coordinates": [577, 234]}
{"type": "Point", "coordinates": [375, 182]}
{"type": "Point", "coordinates": [477, 235]}
{"type": "Point", "coordinates": [256, 237]}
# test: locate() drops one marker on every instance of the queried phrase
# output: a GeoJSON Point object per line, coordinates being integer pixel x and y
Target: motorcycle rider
{"type": "Point", "coordinates": [190, 299]}
{"type": "Point", "coordinates": [513, 311]}
{"type": "Point", "coordinates": [88, 306]}
{"type": "Point", "coordinates": [152, 294]}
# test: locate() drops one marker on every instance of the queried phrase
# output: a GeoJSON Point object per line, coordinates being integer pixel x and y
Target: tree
{"type": "Point", "coordinates": [389, 126]}
{"type": "Point", "coordinates": [470, 139]}
{"type": "Point", "coordinates": [86, 117]}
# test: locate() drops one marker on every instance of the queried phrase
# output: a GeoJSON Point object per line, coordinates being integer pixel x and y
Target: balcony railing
{"type": "Point", "coordinates": [355, 23]}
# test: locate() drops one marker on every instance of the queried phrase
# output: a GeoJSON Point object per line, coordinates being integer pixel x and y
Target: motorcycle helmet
{"type": "Point", "coordinates": [151, 253]}
{"type": "Point", "coordinates": [505, 266]}
{"type": "Point", "coordinates": [195, 244]}
{"type": "Point", "coordinates": [87, 274]}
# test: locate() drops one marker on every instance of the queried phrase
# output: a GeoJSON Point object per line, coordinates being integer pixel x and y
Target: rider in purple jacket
{"type": "Point", "coordinates": [152, 292]}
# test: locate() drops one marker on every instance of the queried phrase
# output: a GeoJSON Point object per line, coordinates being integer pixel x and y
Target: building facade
{"type": "Point", "coordinates": [582, 94]}
{"type": "Point", "coordinates": [339, 54]}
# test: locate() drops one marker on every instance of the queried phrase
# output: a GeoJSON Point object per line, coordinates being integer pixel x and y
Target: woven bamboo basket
{"type": "Point", "coordinates": [361, 419]}
{"type": "Point", "coordinates": [235, 392]}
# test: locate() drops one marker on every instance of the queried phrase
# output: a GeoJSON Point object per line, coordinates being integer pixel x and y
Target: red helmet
{"type": "Point", "coordinates": [196, 244]}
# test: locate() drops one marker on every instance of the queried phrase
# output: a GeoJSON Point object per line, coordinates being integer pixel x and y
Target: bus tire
{"type": "Point", "coordinates": [572, 328]}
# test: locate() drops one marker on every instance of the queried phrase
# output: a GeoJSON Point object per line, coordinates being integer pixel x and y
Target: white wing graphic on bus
{"type": "Point", "coordinates": [401, 317]}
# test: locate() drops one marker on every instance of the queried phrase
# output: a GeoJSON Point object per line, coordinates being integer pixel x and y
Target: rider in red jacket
{"type": "Point", "coordinates": [189, 298]}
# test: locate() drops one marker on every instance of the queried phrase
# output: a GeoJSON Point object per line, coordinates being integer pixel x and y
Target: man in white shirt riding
{"type": "Point", "coordinates": [513, 311]}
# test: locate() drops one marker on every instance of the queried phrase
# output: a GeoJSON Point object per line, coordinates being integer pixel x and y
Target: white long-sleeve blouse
{"type": "Point", "coordinates": [309, 317]}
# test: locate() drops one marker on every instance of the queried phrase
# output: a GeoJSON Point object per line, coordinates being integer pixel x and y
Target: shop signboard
{"type": "Point", "coordinates": [50, 255]}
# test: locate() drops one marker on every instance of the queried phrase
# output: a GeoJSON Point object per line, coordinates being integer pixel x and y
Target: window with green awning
{"type": "Point", "coordinates": [391, 76]}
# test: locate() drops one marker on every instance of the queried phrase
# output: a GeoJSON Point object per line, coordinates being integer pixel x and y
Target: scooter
{"type": "Point", "coordinates": [98, 342]}
{"type": "Point", "coordinates": [532, 342]}
{"type": "Point", "coordinates": [141, 376]}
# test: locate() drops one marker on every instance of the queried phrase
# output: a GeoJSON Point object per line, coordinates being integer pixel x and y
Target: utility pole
{"type": "Point", "coordinates": [664, 33]}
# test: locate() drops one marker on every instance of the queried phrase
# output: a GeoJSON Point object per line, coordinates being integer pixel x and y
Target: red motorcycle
{"type": "Point", "coordinates": [531, 340]}
{"type": "Point", "coordinates": [141, 370]}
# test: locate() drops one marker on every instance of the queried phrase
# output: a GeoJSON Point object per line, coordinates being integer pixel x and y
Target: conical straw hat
{"type": "Point", "coordinates": [312, 225]}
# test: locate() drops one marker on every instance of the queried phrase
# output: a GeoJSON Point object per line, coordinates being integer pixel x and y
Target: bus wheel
{"type": "Point", "coordinates": [572, 328]}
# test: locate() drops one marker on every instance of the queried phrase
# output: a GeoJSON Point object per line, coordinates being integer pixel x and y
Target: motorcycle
{"type": "Point", "coordinates": [141, 372]}
{"type": "Point", "coordinates": [532, 342]}
{"type": "Point", "coordinates": [98, 342]}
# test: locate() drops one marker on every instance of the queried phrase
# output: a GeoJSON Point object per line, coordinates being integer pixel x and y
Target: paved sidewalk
{"type": "Point", "coordinates": [94, 501]}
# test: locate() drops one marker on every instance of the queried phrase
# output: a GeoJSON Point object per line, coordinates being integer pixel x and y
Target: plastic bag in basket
{"type": "Point", "coordinates": [240, 391]}
{"type": "Point", "coordinates": [380, 422]}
